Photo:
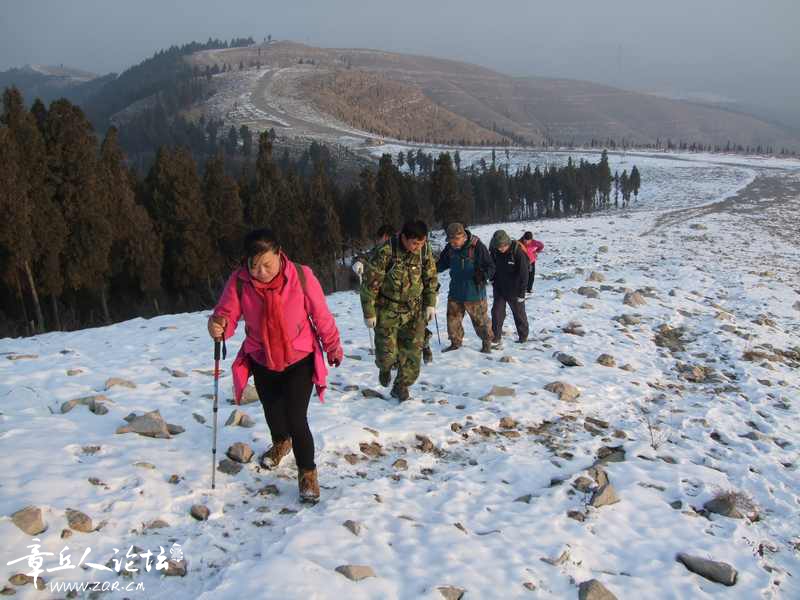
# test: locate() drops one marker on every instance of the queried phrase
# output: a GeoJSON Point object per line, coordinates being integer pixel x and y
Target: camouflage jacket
{"type": "Point", "coordinates": [394, 276]}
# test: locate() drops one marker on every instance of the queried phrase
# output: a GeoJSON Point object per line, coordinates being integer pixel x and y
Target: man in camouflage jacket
{"type": "Point", "coordinates": [398, 297]}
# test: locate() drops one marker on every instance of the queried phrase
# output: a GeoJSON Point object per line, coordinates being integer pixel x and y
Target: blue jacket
{"type": "Point", "coordinates": [470, 268]}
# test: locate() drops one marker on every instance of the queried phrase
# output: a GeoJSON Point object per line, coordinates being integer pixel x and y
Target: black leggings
{"type": "Point", "coordinates": [285, 396]}
{"type": "Point", "coordinates": [531, 275]}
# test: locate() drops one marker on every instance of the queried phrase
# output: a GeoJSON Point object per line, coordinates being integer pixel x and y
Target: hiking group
{"type": "Point", "coordinates": [289, 329]}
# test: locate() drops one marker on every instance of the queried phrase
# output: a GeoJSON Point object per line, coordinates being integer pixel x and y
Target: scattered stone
{"type": "Point", "coordinates": [199, 418]}
{"type": "Point", "coordinates": [599, 475]}
{"type": "Point", "coordinates": [240, 452]}
{"type": "Point", "coordinates": [573, 328]}
{"type": "Point", "coordinates": [634, 299]}
{"type": "Point", "coordinates": [73, 372]}
{"type": "Point", "coordinates": [66, 534]}
{"type": "Point", "coordinates": [734, 505]}
{"type": "Point", "coordinates": [603, 249]}
{"type": "Point", "coordinates": [607, 454]}
{"type": "Point", "coordinates": [174, 479]}
{"type": "Point", "coordinates": [29, 520]}
{"type": "Point", "coordinates": [604, 496]}
{"type": "Point", "coordinates": [157, 524]}
{"type": "Point", "coordinates": [249, 395]}
{"type": "Point", "coordinates": [143, 465]}
{"type": "Point", "coordinates": [371, 449]}
{"type": "Point", "coordinates": [628, 319]}
{"type": "Point", "coordinates": [353, 526]}
{"type": "Point", "coordinates": [597, 422]}
{"type": "Point", "coordinates": [401, 464]}
{"type": "Point", "coordinates": [22, 356]}
{"type": "Point", "coordinates": [576, 515]}
{"type": "Point", "coordinates": [588, 291]}
{"type": "Point", "coordinates": [200, 512]}
{"type": "Point", "coordinates": [606, 360]}
{"type": "Point", "coordinates": [229, 467]}
{"type": "Point", "coordinates": [670, 338]}
{"type": "Point", "coordinates": [628, 367]}
{"type": "Point", "coordinates": [355, 572]}
{"type": "Point", "coordinates": [176, 568]}
{"type": "Point", "coordinates": [269, 490]}
{"type": "Point", "coordinates": [508, 359]}
{"type": "Point", "coordinates": [498, 391]}
{"type": "Point", "coordinates": [508, 423]}
{"type": "Point", "coordinates": [239, 418]}
{"type": "Point", "coordinates": [677, 504]}
{"type": "Point", "coordinates": [425, 444]}
{"type": "Point", "coordinates": [352, 458]}
{"type": "Point", "coordinates": [175, 372]}
{"type": "Point", "coordinates": [175, 429]}
{"type": "Point", "coordinates": [565, 391]}
{"type": "Point", "coordinates": [450, 592]}
{"type": "Point", "coordinates": [596, 276]}
{"type": "Point", "coordinates": [568, 360]}
{"type": "Point", "coordinates": [150, 424]}
{"type": "Point", "coordinates": [112, 381]}
{"type": "Point", "coordinates": [718, 572]}
{"type": "Point", "coordinates": [79, 521]}
{"type": "Point", "coordinates": [594, 590]}
{"type": "Point", "coordinates": [93, 403]}
{"type": "Point", "coordinates": [562, 558]}
{"type": "Point", "coordinates": [583, 484]}
{"type": "Point", "coordinates": [369, 393]}
{"type": "Point", "coordinates": [456, 427]}
{"type": "Point", "coordinates": [530, 586]}
{"type": "Point", "coordinates": [526, 498]}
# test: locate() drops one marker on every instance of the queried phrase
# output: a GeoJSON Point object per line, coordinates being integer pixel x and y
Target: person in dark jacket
{"type": "Point", "coordinates": [509, 285]}
{"type": "Point", "coordinates": [471, 266]}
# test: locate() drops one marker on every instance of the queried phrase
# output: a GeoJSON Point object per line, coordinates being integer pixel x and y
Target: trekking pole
{"type": "Point", "coordinates": [217, 346]}
{"type": "Point", "coordinates": [371, 344]}
{"type": "Point", "coordinates": [436, 320]}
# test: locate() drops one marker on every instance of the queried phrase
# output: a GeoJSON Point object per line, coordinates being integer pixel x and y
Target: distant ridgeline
{"type": "Point", "coordinates": [86, 240]}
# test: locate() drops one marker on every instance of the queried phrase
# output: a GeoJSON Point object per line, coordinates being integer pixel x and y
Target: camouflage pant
{"type": "Point", "coordinates": [399, 338]}
{"type": "Point", "coordinates": [479, 315]}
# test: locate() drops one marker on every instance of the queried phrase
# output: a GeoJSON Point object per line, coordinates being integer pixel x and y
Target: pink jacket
{"type": "Point", "coordinates": [532, 248]}
{"type": "Point", "coordinates": [297, 308]}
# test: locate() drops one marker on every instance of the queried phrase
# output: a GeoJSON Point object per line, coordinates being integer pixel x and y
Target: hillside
{"type": "Point", "coordinates": [680, 435]}
{"type": "Point", "coordinates": [371, 90]}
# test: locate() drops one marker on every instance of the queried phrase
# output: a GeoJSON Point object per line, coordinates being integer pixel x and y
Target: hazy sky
{"type": "Point", "coordinates": [743, 49]}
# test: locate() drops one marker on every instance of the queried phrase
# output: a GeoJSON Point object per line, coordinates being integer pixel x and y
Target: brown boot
{"type": "Point", "coordinates": [273, 457]}
{"type": "Point", "coordinates": [309, 485]}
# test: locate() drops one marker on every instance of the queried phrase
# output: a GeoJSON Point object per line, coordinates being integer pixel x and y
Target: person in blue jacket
{"type": "Point", "coordinates": [471, 266]}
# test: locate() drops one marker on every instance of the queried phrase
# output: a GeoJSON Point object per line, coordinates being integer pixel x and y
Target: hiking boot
{"type": "Point", "coordinates": [427, 355]}
{"type": "Point", "coordinates": [385, 378]}
{"type": "Point", "coordinates": [451, 347]}
{"type": "Point", "coordinates": [522, 340]}
{"type": "Point", "coordinates": [309, 485]}
{"type": "Point", "coordinates": [400, 392]}
{"type": "Point", "coordinates": [273, 457]}
{"type": "Point", "coordinates": [497, 342]}
{"type": "Point", "coordinates": [486, 347]}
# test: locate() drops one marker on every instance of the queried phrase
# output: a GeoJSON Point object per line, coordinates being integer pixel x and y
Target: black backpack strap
{"type": "Point", "coordinates": [301, 275]}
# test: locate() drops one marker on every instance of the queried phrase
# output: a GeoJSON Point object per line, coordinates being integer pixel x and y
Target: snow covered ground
{"type": "Point", "coordinates": [442, 492]}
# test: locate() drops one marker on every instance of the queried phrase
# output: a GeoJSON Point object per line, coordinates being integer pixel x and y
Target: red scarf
{"type": "Point", "coordinates": [277, 349]}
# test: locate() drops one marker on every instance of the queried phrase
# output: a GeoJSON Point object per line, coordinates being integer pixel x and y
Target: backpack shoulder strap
{"type": "Point", "coordinates": [301, 275]}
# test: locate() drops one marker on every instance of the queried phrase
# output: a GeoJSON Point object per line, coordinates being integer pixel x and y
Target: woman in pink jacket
{"type": "Point", "coordinates": [287, 327]}
{"type": "Point", "coordinates": [532, 248]}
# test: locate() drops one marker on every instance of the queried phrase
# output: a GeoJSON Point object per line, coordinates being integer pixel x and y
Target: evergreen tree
{"type": "Point", "coordinates": [263, 196]}
{"type": "Point", "coordinates": [73, 176]}
{"type": "Point", "coordinates": [388, 192]}
{"type": "Point", "coordinates": [325, 223]}
{"type": "Point", "coordinates": [136, 253]}
{"type": "Point", "coordinates": [247, 140]}
{"type": "Point", "coordinates": [174, 201]}
{"type": "Point", "coordinates": [448, 203]}
{"type": "Point", "coordinates": [221, 198]}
